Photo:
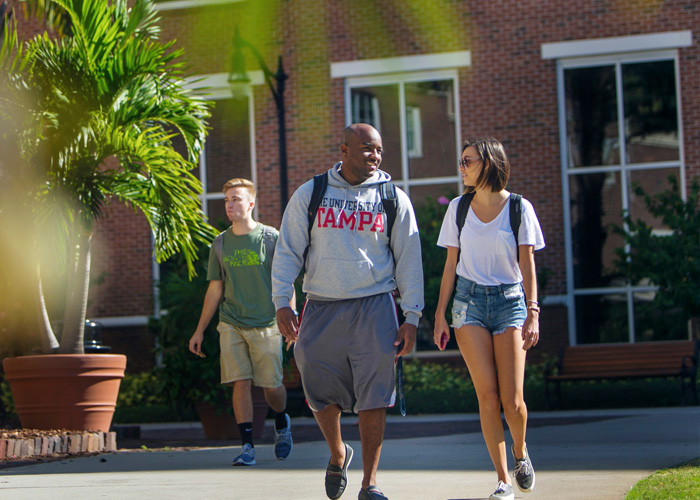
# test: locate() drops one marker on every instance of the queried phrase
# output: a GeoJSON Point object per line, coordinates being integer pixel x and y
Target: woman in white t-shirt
{"type": "Point", "coordinates": [495, 312]}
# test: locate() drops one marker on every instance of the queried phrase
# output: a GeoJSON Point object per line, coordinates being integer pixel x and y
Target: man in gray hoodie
{"type": "Point", "coordinates": [348, 340]}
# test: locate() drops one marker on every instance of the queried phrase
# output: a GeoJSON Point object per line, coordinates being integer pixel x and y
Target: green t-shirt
{"type": "Point", "coordinates": [248, 288]}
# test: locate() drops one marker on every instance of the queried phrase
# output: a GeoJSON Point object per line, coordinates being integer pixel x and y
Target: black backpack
{"type": "Point", "coordinates": [516, 215]}
{"type": "Point", "coordinates": [387, 191]}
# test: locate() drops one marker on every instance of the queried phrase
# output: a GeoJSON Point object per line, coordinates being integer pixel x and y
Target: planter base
{"type": "Point", "coordinates": [65, 391]}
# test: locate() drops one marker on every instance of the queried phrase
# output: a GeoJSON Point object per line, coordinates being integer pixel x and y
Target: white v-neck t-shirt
{"type": "Point", "coordinates": [488, 255]}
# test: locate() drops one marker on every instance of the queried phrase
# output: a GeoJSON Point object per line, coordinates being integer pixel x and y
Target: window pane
{"type": "Point", "coordinates": [652, 182]}
{"type": "Point", "coordinates": [430, 125]}
{"type": "Point", "coordinates": [379, 106]}
{"type": "Point", "coordinates": [651, 119]}
{"type": "Point", "coordinates": [652, 322]}
{"type": "Point", "coordinates": [601, 319]}
{"type": "Point", "coordinates": [591, 116]}
{"type": "Point", "coordinates": [595, 205]}
{"type": "Point", "coordinates": [228, 143]}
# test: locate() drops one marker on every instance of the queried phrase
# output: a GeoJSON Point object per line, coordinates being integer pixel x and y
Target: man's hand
{"type": "Point", "coordinates": [196, 344]}
{"type": "Point", "coordinates": [407, 335]}
{"type": "Point", "coordinates": [288, 324]}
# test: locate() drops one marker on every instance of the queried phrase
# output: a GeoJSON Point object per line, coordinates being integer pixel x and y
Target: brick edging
{"type": "Point", "coordinates": [60, 444]}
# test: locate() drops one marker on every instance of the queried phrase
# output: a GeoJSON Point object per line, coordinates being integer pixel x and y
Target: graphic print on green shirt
{"type": "Point", "coordinates": [248, 287]}
{"type": "Point", "coordinates": [243, 257]}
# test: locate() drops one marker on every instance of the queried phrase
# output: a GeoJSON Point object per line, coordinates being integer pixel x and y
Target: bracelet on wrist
{"type": "Point", "coordinates": [533, 302]}
{"type": "Point", "coordinates": [533, 308]}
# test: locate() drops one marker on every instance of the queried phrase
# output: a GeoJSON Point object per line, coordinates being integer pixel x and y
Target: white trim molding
{"type": "Point", "coordinates": [616, 45]}
{"type": "Point", "coordinates": [216, 86]}
{"type": "Point", "coordinates": [121, 321]}
{"type": "Point", "coordinates": [190, 4]}
{"type": "Point", "coordinates": [423, 62]}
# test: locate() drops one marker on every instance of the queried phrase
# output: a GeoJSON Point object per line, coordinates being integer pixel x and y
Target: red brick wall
{"type": "Point", "coordinates": [509, 92]}
{"type": "Point", "coordinates": [122, 272]}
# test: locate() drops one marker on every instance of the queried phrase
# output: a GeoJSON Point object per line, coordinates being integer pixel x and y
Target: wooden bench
{"type": "Point", "coordinates": [624, 361]}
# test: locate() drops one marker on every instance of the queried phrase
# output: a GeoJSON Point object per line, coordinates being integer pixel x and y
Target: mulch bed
{"type": "Point", "coordinates": [26, 446]}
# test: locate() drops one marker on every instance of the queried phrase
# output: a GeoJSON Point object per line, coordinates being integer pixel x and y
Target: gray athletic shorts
{"type": "Point", "coordinates": [346, 355]}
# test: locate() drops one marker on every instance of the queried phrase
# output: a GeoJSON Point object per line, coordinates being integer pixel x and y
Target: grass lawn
{"type": "Point", "coordinates": [681, 482]}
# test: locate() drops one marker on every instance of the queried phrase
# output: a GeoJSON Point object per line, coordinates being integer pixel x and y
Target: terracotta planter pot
{"type": "Point", "coordinates": [218, 423]}
{"type": "Point", "coordinates": [65, 391]}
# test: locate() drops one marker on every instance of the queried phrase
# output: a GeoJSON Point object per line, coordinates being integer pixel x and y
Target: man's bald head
{"type": "Point", "coordinates": [361, 152]}
{"type": "Point", "coordinates": [358, 130]}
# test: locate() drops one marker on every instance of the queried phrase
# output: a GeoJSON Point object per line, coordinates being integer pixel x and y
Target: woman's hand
{"type": "Point", "coordinates": [531, 329]}
{"type": "Point", "coordinates": [441, 333]}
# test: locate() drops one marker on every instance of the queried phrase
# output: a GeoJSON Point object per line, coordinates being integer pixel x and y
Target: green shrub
{"type": "Point", "coordinates": [8, 417]}
{"type": "Point", "coordinates": [437, 388]}
{"type": "Point", "coordinates": [141, 389]}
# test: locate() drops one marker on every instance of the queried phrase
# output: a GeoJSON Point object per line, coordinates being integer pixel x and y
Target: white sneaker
{"type": "Point", "coordinates": [503, 492]}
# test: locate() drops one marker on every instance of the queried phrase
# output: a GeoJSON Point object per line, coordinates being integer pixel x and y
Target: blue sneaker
{"type": "Point", "coordinates": [247, 456]}
{"type": "Point", "coordinates": [283, 441]}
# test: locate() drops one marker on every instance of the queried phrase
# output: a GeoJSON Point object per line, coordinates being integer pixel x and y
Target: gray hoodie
{"type": "Point", "coordinates": [349, 254]}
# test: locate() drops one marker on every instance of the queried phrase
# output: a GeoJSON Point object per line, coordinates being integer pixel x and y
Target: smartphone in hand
{"type": "Point", "coordinates": [443, 341]}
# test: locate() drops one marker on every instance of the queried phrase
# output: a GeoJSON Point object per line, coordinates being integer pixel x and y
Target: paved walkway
{"type": "Point", "coordinates": [596, 459]}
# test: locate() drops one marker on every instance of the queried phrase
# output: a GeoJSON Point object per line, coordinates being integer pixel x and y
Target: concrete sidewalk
{"type": "Point", "coordinates": [597, 460]}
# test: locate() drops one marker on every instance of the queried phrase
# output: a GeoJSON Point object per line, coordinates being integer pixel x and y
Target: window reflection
{"type": "Point", "coordinates": [595, 205]}
{"type": "Point", "coordinates": [591, 116]}
{"type": "Point", "coordinates": [432, 151]}
{"type": "Point", "coordinates": [227, 146]}
{"type": "Point", "coordinates": [601, 319]}
{"type": "Point", "coordinates": [651, 120]}
{"type": "Point", "coordinates": [379, 106]}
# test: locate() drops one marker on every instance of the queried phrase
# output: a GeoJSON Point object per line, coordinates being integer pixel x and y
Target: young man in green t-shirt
{"type": "Point", "coordinates": [240, 263]}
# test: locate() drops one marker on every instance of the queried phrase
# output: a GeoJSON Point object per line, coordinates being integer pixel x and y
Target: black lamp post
{"type": "Point", "coordinates": [239, 81]}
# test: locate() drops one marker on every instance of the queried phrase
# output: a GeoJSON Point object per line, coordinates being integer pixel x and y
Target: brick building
{"type": "Point", "coordinates": [588, 97]}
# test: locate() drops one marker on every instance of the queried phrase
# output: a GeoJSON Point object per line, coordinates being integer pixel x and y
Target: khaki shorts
{"type": "Point", "coordinates": [251, 354]}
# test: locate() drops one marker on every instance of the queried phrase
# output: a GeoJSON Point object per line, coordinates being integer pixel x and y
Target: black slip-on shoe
{"type": "Point", "coordinates": [337, 477]}
{"type": "Point", "coordinates": [371, 493]}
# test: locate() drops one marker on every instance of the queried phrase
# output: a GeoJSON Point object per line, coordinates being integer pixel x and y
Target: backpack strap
{"type": "Point", "coordinates": [387, 191]}
{"type": "Point", "coordinates": [218, 247]}
{"type": "Point", "coordinates": [269, 235]}
{"type": "Point", "coordinates": [320, 186]}
{"type": "Point", "coordinates": [462, 209]}
{"type": "Point", "coordinates": [516, 216]}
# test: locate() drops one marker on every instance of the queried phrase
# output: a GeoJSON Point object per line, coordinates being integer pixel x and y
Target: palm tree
{"type": "Point", "coordinates": [91, 117]}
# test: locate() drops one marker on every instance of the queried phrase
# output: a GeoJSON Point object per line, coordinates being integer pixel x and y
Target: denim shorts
{"type": "Point", "coordinates": [495, 308]}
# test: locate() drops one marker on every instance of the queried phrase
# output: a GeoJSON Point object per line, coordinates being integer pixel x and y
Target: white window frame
{"type": "Point", "coordinates": [604, 57]}
{"type": "Point", "coordinates": [401, 80]}
{"type": "Point", "coordinates": [215, 87]}
{"type": "Point", "coordinates": [191, 4]}
{"type": "Point", "coordinates": [414, 132]}
{"type": "Point", "coordinates": [401, 70]}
